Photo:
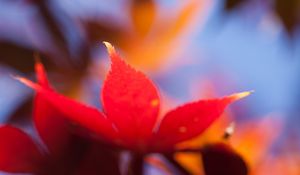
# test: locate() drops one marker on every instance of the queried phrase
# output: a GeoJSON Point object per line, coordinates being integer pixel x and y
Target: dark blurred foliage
{"type": "Point", "coordinates": [21, 56]}
{"type": "Point", "coordinates": [87, 32]}
{"type": "Point", "coordinates": [232, 4]}
{"type": "Point", "coordinates": [69, 61]}
{"type": "Point", "coordinates": [11, 53]}
{"type": "Point", "coordinates": [219, 159]}
{"type": "Point", "coordinates": [83, 157]}
{"type": "Point", "coordinates": [288, 12]}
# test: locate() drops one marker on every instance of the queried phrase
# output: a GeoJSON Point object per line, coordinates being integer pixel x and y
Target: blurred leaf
{"type": "Point", "coordinates": [143, 13]}
{"type": "Point", "coordinates": [16, 56]}
{"type": "Point", "coordinates": [101, 30]}
{"type": "Point", "coordinates": [66, 55]}
{"type": "Point", "coordinates": [232, 4]}
{"type": "Point", "coordinates": [52, 24]}
{"type": "Point", "coordinates": [220, 159]}
{"type": "Point", "coordinates": [264, 130]}
{"type": "Point", "coordinates": [149, 52]}
{"type": "Point", "coordinates": [289, 13]}
{"type": "Point", "coordinates": [20, 57]}
{"type": "Point", "coordinates": [152, 52]}
{"type": "Point", "coordinates": [55, 21]}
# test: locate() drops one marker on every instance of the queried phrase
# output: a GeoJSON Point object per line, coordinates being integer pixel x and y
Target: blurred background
{"type": "Point", "coordinates": [192, 49]}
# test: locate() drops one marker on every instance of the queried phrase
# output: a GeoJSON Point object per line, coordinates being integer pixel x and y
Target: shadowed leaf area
{"type": "Point", "coordinates": [288, 13]}
{"type": "Point", "coordinates": [220, 159]}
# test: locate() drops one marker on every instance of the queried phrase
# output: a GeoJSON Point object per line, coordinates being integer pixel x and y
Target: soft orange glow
{"type": "Point", "coordinates": [192, 162]}
{"type": "Point", "coordinates": [154, 49]}
{"type": "Point", "coordinates": [254, 138]}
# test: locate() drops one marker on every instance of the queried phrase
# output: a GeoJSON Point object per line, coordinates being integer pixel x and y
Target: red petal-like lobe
{"type": "Point", "coordinates": [86, 116]}
{"type": "Point", "coordinates": [130, 100]}
{"type": "Point", "coordinates": [190, 120]}
{"type": "Point", "coordinates": [18, 153]}
{"type": "Point", "coordinates": [41, 75]}
{"type": "Point", "coordinates": [52, 126]}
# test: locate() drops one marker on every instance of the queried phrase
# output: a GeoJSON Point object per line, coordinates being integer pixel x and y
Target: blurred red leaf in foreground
{"type": "Point", "coordinates": [131, 105]}
{"type": "Point", "coordinates": [65, 152]}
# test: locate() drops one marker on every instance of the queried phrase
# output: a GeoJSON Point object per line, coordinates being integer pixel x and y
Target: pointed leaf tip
{"type": "Point", "coordinates": [27, 82]}
{"type": "Point", "coordinates": [190, 120]}
{"type": "Point", "coordinates": [84, 115]}
{"type": "Point", "coordinates": [110, 49]}
{"type": "Point", "coordinates": [238, 96]}
{"type": "Point", "coordinates": [41, 73]}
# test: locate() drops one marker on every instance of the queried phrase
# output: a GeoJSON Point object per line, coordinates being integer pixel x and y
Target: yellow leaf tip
{"type": "Point", "coordinates": [109, 47]}
{"type": "Point", "coordinates": [241, 95]}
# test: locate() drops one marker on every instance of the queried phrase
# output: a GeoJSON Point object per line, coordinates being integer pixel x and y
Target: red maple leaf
{"type": "Point", "coordinates": [131, 108]}
{"type": "Point", "coordinates": [64, 151]}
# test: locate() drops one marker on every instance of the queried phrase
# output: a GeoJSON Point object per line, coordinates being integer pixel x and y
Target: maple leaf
{"type": "Point", "coordinates": [131, 111]}
{"type": "Point", "coordinates": [21, 154]}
